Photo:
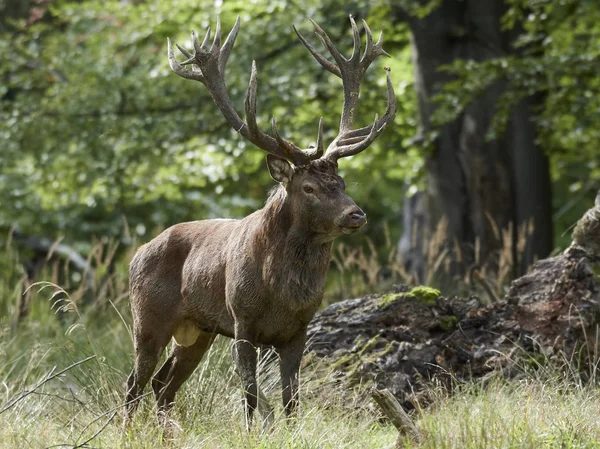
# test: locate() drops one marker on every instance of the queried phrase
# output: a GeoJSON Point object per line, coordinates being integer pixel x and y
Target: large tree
{"type": "Point", "coordinates": [479, 185]}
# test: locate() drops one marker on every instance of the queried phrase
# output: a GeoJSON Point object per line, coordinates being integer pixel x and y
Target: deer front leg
{"type": "Point", "coordinates": [245, 358]}
{"type": "Point", "coordinates": [291, 355]}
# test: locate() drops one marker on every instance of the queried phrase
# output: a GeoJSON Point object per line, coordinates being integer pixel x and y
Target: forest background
{"type": "Point", "coordinates": [493, 155]}
{"type": "Point", "coordinates": [495, 128]}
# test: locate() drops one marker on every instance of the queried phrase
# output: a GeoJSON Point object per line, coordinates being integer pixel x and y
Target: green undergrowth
{"type": "Point", "coordinates": [41, 407]}
{"type": "Point", "coordinates": [553, 413]}
{"type": "Point", "coordinates": [86, 401]}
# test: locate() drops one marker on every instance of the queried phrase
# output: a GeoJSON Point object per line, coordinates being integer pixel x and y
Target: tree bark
{"type": "Point", "coordinates": [481, 187]}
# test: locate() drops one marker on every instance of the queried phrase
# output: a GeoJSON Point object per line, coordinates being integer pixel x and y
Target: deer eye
{"type": "Point", "coordinates": [308, 189]}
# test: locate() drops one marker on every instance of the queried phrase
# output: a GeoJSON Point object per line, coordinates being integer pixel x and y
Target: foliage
{"type": "Point", "coordinates": [557, 61]}
{"type": "Point", "coordinates": [95, 128]}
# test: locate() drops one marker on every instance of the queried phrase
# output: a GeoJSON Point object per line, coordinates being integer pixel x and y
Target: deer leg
{"type": "Point", "coordinates": [291, 356]}
{"type": "Point", "coordinates": [177, 369]}
{"type": "Point", "coordinates": [147, 353]}
{"type": "Point", "coordinates": [245, 358]}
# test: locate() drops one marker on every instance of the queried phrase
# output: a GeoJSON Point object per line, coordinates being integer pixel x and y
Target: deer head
{"type": "Point", "coordinates": [308, 176]}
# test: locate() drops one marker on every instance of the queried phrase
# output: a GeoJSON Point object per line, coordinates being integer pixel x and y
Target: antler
{"type": "Point", "coordinates": [349, 141]}
{"type": "Point", "coordinates": [208, 66]}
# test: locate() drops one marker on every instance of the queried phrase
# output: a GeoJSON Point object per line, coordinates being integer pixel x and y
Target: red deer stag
{"type": "Point", "coordinates": [260, 279]}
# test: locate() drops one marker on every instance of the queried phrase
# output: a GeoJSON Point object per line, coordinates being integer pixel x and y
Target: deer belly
{"type": "Point", "coordinates": [186, 333]}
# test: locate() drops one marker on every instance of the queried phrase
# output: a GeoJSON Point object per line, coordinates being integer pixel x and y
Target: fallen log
{"type": "Point", "coordinates": [405, 338]}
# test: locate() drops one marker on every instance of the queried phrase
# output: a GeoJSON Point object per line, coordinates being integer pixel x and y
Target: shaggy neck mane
{"type": "Point", "coordinates": [291, 241]}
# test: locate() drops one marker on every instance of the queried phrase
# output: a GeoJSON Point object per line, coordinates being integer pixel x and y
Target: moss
{"type": "Point", "coordinates": [449, 323]}
{"type": "Point", "coordinates": [596, 270]}
{"type": "Point", "coordinates": [363, 352]}
{"type": "Point", "coordinates": [372, 342]}
{"type": "Point", "coordinates": [425, 295]}
{"type": "Point", "coordinates": [388, 298]}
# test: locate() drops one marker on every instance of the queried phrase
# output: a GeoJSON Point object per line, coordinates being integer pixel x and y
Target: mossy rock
{"type": "Point", "coordinates": [449, 323]}
{"type": "Point", "coordinates": [425, 295]}
{"type": "Point", "coordinates": [389, 298]}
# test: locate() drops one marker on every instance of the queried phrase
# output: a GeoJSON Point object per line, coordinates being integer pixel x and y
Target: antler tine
{"type": "Point", "coordinates": [210, 69]}
{"type": "Point", "coordinates": [356, 40]}
{"type": "Point", "coordinates": [320, 148]}
{"type": "Point", "coordinates": [290, 149]}
{"type": "Point", "coordinates": [250, 103]}
{"type": "Point", "coordinates": [216, 45]}
{"type": "Point", "coordinates": [372, 51]}
{"type": "Point", "coordinates": [369, 35]}
{"type": "Point", "coordinates": [185, 53]}
{"type": "Point", "coordinates": [179, 69]}
{"type": "Point", "coordinates": [228, 45]}
{"type": "Point", "coordinates": [324, 38]}
{"type": "Point", "coordinates": [319, 57]}
{"type": "Point", "coordinates": [388, 116]}
{"type": "Point", "coordinates": [316, 152]}
{"type": "Point", "coordinates": [357, 147]}
{"type": "Point", "coordinates": [204, 46]}
{"type": "Point", "coordinates": [355, 141]}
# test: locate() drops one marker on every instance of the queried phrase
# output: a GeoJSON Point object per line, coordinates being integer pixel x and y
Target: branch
{"type": "Point", "coordinates": [392, 409]}
{"type": "Point", "coordinates": [97, 433]}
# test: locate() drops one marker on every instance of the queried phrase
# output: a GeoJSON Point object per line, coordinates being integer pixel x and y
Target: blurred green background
{"type": "Point", "coordinates": [100, 142]}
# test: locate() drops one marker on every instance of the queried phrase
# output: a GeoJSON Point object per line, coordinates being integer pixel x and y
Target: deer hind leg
{"type": "Point", "coordinates": [177, 369]}
{"type": "Point", "coordinates": [147, 353]}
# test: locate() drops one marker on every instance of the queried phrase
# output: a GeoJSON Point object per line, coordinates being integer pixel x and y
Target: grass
{"type": "Point", "coordinates": [534, 413]}
{"type": "Point", "coordinates": [87, 400]}
{"type": "Point", "coordinates": [83, 407]}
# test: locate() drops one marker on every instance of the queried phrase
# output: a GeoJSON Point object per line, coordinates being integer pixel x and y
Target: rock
{"type": "Point", "coordinates": [586, 233]}
{"type": "Point", "coordinates": [405, 338]}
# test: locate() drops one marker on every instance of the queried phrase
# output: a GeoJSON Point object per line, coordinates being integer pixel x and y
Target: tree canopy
{"type": "Point", "coordinates": [95, 129]}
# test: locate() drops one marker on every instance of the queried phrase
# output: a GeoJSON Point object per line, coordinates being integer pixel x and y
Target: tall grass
{"type": "Point", "coordinates": [83, 407]}
{"type": "Point", "coordinates": [86, 402]}
{"type": "Point", "coordinates": [366, 269]}
{"type": "Point", "coordinates": [554, 412]}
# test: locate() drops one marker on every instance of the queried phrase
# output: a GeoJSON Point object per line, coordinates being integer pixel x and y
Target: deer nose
{"type": "Point", "coordinates": [357, 217]}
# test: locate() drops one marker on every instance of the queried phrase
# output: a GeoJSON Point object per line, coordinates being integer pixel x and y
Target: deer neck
{"type": "Point", "coordinates": [289, 239]}
{"type": "Point", "coordinates": [294, 262]}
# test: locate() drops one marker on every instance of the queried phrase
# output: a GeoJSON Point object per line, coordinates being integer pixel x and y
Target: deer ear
{"type": "Point", "coordinates": [279, 169]}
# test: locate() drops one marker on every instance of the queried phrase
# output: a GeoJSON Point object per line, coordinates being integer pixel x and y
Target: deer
{"type": "Point", "coordinates": [260, 279]}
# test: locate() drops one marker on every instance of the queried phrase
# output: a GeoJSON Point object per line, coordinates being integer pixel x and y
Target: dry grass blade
{"type": "Point", "coordinates": [48, 378]}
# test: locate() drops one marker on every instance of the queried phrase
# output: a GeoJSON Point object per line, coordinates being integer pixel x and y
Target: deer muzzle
{"type": "Point", "coordinates": [352, 220]}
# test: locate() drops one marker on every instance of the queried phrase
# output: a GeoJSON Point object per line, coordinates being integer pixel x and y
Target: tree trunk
{"type": "Point", "coordinates": [12, 10]}
{"type": "Point", "coordinates": [480, 187]}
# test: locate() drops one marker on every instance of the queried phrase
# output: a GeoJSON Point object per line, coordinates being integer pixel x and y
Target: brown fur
{"type": "Point", "coordinates": [259, 280]}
